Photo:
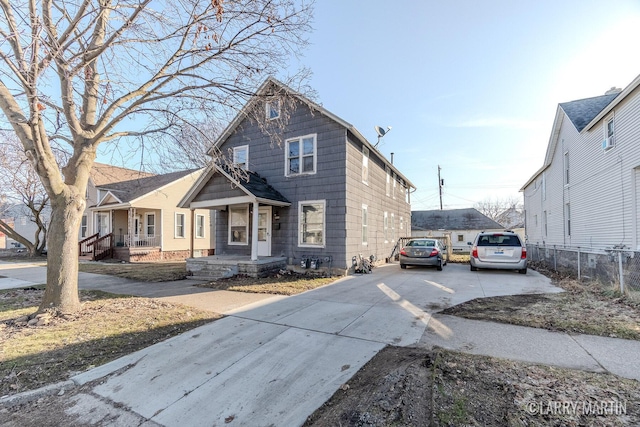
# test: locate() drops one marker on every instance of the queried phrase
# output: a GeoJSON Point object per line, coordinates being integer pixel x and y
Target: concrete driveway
{"type": "Point", "coordinates": [273, 362]}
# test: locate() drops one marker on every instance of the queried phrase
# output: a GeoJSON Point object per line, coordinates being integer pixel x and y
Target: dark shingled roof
{"type": "Point", "coordinates": [582, 111]}
{"type": "Point", "coordinates": [127, 191]}
{"type": "Point", "coordinates": [453, 219]}
{"type": "Point", "coordinates": [256, 185]}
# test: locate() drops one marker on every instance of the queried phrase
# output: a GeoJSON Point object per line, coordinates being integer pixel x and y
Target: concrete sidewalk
{"type": "Point", "coordinates": [274, 360]}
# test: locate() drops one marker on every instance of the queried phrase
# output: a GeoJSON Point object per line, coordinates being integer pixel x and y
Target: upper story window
{"type": "Point", "coordinates": [393, 189]}
{"type": "Point", "coordinates": [365, 165]}
{"type": "Point", "coordinates": [609, 134]}
{"type": "Point", "coordinates": [272, 109]}
{"type": "Point", "coordinates": [388, 188]}
{"type": "Point", "coordinates": [241, 157]}
{"type": "Point", "coordinates": [566, 168]}
{"type": "Point", "coordinates": [301, 155]}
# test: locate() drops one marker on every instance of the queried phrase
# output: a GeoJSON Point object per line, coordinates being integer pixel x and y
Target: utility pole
{"type": "Point", "coordinates": [440, 184]}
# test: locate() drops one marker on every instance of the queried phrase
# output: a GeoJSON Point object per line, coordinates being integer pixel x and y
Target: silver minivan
{"type": "Point", "coordinates": [502, 250]}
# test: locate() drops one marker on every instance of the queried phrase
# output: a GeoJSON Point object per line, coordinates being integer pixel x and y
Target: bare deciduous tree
{"type": "Point", "coordinates": [22, 195]}
{"type": "Point", "coordinates": [508, 212]}
{"type": "Point", "coordinates": [84, 73]}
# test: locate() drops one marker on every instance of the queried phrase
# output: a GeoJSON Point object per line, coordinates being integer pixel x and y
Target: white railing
{"type": "Point", "coordinates": [139, 241]}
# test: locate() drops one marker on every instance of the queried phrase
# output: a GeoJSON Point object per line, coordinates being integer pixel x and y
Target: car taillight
{"type": "Point", "coordinates": [524, 253]}
{"type": "Point", "coordinates": [403, 252]}
{"type": "Point", "coordinates": [474, 252]}
{"type": "Point", "coordinates": [434, 253]}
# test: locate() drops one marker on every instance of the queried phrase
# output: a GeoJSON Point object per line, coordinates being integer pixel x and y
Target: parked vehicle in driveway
{"type": "Point", "coordinates": [429, 252]}
{"type": "Point", "coordinates": [498, 250]}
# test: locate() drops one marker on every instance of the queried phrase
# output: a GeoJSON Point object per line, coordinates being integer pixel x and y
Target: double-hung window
{"type": "Point", "coordinates": [311, 223]}
{"type": "Point", "coordinates": [386, 227]}
{"type": "Point", "coordinates": [200, 226]}
{"type": "Point", "coordinates": [150, 220]}
{"type": "Point", "coordinates": [365, 165]}
{"type": "Point", "coordinates": [388, 188]}
{"type": "Point", "coordinates": [272, 109]}
{"type": "Point", "coordinates": [238, 225]}
{"type": "Point", "coordinates": [83, 226]}
{"type": "Point", "coordinates": [301, 155]}
{"type": "Point", "coordinates": [365, 225]}
{"type": "Point", "coordinates": [241, 156]}
{"type": "Point", "coordinates": [179, 229]}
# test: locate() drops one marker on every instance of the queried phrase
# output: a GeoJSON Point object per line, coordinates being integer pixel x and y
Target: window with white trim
{"type": "Point", "coordinates": [365, 165]}
{"type": "Point", "coordinates": [386, 227]}
{"type": "Point", "coordinates": [83, 226]}
{"type": "Point", "coordinates": [241, 156]}
{"type": "Point", "coordinates": [311, 223]}
{"type": "Point", "coordinates": [199, 226]}
{"type": "Point", "coordinates": [401, 226]}
{"type": "Point", "coordinates": [566, 168]}
{"type": "Point", "coordinates": [150, 224]}
{"type": "Point", "coordinates": [568, 217]}
{"type": "Point", "coordinates": [365, 225]}
{"type": "Point", "coordinates": [272, 109]}
{"type": "Point", "coordinates": [239, 225]}
{"type": "Point", "coordinates": [393, 227]}
{"type": "Point", "coordinates": [179, 227]}
{"type": "Point", "coordinates": [388, 187]}
{"type": "Point", "coordinates": [393, 190]}
{"type": "Point", "coordinates": [301, 155]}
{"type": "Point", "coordinates": [609, 134]}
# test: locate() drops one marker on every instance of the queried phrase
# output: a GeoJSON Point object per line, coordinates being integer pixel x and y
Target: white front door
{"type": "Point", "coordinates": [102, 223]}
{"type": "Point", "coordinates": [264, 231]}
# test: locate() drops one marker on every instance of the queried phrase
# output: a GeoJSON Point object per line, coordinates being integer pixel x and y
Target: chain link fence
{"type": "Point", "coordinates": [617, 266]}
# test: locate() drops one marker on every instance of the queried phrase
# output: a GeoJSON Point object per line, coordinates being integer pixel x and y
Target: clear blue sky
{"type": "Point", "coordinates": [469, 85]}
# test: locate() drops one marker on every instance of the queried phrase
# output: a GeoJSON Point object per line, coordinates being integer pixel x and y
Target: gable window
{"type": "Point", "coordinates": [609, 134]}
{"type": "Point", "coordinates": [311, 223]}
{"type": "Point", "coordinates": [200, 226]}
{"type": "Point", "coordinates": [272, 109]}
{"type": "Point", "coordinates": [238, 225]}
{"type": "Point", "coordinates": [365, 225]}
{"type": "Point", "coordinates": [179, 228]}
{"type": "Point", "coordinates": [301, 155]}
{"type": "Point", "coordinates": [150, 221]}
{"type": "Point", "coordinates": [386, 227]}
{"type": "Point", "coordinates": [388, 180]}
{"type": "Point", "coordinates": [83, 226]}
{"type": "Point", "coordinates": [566, 168]}
{"type": "Point", "coordinates": [241, 156]}
{"type": "Point", "coordinates": [365, 165]}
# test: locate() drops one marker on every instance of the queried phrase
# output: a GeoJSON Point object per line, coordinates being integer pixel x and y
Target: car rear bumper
{"type": "Point", "coordinates": [520, 265]}
{"type": "Point", "coordinates": [431, 261]}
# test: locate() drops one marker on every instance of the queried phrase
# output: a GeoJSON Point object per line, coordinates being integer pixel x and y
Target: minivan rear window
{"type": "Point", "coordinates": [499, 240]}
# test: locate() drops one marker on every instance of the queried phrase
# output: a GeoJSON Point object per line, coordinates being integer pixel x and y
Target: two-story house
{"type": "Point", "coordinates": [587, 193]}
{"type": "Point", "coordinates": [325, 194]}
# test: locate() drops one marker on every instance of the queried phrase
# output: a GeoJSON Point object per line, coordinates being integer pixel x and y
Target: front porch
{"type": "Point", "coordinates": [222, 266]}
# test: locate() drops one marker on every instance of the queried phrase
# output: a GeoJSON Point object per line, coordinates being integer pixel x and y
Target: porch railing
{"type": "Point", "coordinates": [139, 241]}
{"type": "Point", "coordinates": [97, 247]}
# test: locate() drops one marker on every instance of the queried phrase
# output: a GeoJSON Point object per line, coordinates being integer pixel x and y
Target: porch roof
{"type": "Point", "coordinates": [253, 185]}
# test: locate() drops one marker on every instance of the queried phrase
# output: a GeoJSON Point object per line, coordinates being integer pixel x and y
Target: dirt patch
{"type": "Point", "coordinates": [583, 308]}
{"type": "Point", "coordinates": [418, 387]}
{"type": "Point", "coordinates": [140, 271]}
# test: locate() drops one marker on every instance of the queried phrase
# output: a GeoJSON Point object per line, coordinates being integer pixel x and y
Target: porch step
{"type": "Point", "coordinates": [220, 267]}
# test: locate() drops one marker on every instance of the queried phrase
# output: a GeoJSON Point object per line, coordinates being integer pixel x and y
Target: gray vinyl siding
{"type": "Point", "coordinates": [218, 187]}
{"type": "Point", "coordinates": [603, 185]}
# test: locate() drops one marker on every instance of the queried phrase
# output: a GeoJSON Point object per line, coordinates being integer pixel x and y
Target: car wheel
{"type": "Point", "coordinates": [474, 268]}
{"type": "Point", "coordinates": [523, 271]}
{"type": "Point", "coordinates": [403, 266]}
{"type": "Point", "coordinates": [439, 267]}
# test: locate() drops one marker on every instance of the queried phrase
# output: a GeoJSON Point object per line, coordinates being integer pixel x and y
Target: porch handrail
{"type": "Point", "coordinates": [85, 245]}
{"type": "Point", "coordinates": [103, 247]}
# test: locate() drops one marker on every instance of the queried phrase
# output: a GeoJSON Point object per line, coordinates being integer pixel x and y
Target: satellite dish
{"type": "Point", "coordinates": [381, 132]}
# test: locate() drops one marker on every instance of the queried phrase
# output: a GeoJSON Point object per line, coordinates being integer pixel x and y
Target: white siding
{"type": "Point", "coordinates": [602, 185]}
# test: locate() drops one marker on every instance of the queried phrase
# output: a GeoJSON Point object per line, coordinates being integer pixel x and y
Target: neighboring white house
{"type": "Point", "coordinates": [586, 194]}
{"type": "Point", "coordinates": [461, 225]}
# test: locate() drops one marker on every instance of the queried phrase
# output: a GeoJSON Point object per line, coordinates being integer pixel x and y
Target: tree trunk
{"type": "Point", "coordinates": [61, 292]}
